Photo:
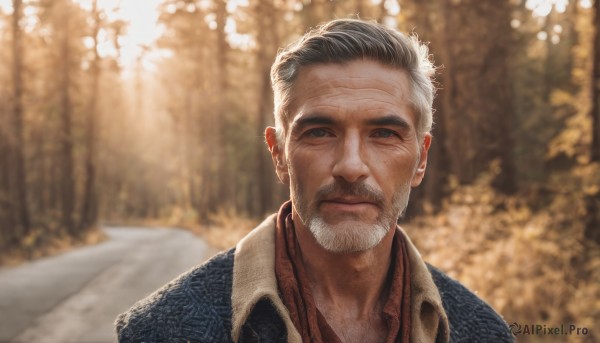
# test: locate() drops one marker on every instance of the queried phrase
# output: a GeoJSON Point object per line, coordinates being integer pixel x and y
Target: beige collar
{"type": "Point", "coordinates": [254, 279]}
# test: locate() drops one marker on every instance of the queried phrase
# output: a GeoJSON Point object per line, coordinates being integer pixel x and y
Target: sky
{"type": "Point", "coordinates": [142, 30]}
{"type": "Point", "coordinates": [141, 15]}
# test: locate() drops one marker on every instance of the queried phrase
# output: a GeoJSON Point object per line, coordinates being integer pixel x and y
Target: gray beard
{"type": "Point", "coordinates": [352, 235]}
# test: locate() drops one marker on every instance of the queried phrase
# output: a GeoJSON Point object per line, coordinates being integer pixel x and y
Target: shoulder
{"type": "Point", "coordinates": [194, 307]}
{"type": "Point", "coordinates": [470, 318]}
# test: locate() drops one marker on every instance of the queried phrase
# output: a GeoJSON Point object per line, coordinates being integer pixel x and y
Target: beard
{"type": "Point", "coordinates": [351, 234]}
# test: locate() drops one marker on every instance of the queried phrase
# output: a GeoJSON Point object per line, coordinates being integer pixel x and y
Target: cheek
{"type": "Point", "coordinates": [393, 172]}
{"type": "Point", "coordinates": [309, 168]}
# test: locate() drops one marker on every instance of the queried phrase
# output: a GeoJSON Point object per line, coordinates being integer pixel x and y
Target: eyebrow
{"type": "Point", "coordinates": [390, 120]}
{"type": "Point", "coordinates": [316, 119]}
{"type": "Point", "coordinates": [319, 119]}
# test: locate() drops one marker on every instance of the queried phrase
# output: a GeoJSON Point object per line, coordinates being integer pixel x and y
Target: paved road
{"type": "Point", "coordinates": [75, 296]}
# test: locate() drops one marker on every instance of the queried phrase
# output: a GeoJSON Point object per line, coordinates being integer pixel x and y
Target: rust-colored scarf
{"type": "Point", "coordinates": [297, 296]}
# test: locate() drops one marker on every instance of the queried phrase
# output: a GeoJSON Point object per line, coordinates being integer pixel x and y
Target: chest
{"type": "Point", "coordinates": [350, 329]}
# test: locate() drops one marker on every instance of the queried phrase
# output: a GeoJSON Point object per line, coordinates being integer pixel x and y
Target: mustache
{"type": "Point", "coordinates": [341, 188]}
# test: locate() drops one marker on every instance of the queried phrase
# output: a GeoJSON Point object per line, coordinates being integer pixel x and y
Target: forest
{"type": "Point", "coordinates": [97, 127]}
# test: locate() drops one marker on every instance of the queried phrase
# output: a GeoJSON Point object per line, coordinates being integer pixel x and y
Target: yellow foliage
{"type": "Point", "coordinates": [560, 97]}
{"type": "Point", "coordinates": [47, 242]}
{"type": "Point", "coordinates": [531, 266]}
{"type": "Point", "coordinates": [178, 216]}
{"type": "Point", "coordinates": [227, 228]}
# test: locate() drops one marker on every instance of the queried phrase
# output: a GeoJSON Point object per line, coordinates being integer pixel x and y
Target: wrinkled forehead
{"type": "Point", "coordinates": [363, 84]}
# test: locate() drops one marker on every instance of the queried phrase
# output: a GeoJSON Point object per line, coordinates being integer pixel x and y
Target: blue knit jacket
{"type": "Point", "coordinates": [196, 307]}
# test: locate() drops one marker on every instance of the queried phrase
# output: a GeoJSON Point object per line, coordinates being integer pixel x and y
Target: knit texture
{"type": "Point", "coordinates": [196, 307]}
{"type": "Point", "coordinates": [471, 319]}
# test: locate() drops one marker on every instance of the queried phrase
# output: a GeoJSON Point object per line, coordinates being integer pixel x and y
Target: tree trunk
{"type": "Point", "coordinates": [267, 28]}
{"type": "Point", "coordinates": [311, 14]}
{"type": "Point", "coordinates": [476, 94]}
{"type": "Point", "coordinates": [432, 191]}
{"type": "Point", "coordinates": [592, 230]}
{"type": "Point", "coordinates": [18, 146]}
{"type": "Point", "coordinates": [360, 9]}
{"type": "Point", "coordinates": [222, 175]}
{"type": "Point", "coordinates": [66, 151]}
{"type": "Point", "coordinates": [90, 196]}
{"type": "Point", "coordinates": [382, 12]}
{"type": "Point", "coordinates": [7, 219]}
{"type": "Point", "coordinates": [595, 110]}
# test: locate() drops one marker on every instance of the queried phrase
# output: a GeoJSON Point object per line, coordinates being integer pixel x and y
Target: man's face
{"type": "Point", "coordinates": [351, 152]}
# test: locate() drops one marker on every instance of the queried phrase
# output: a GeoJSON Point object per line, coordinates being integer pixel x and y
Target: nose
{"type": "Point", "coordinates": [350, 164]}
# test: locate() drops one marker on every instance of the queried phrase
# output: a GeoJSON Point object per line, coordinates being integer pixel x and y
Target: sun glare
{"type": "Point", "coordinates": [586, 3]}
{"type": "Point", "coordinates": [542, 8]}
{"type": "Point", "coordinates": [141, 18]}
{"type": "Point", "coordinates": [141, 32]}
{"type": "Point", "coordinates": [6, 6]}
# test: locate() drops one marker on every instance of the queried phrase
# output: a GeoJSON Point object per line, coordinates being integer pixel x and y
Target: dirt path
{"type": "Point", "coordinates": [75, 297]}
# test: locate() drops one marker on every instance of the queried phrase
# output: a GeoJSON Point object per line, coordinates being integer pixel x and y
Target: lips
{"type": "Point", "coordinates": [348, 204]}
{"type": "Point", "coordinates": [349, 201]}
{"type": "Point", "coordinates": [349, 196]}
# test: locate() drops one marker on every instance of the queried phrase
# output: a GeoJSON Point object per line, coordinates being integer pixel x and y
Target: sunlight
{"type": "Point", "coordinates": [6, 6]}
{"type": "Point", "coordinates": [392, 7]}
{"type": "Point", "coordinates": [542, 8]}
{"type": "Point", "coordinates": [233, 5]}
{"type": "Point", "coordinates": [141, 31]}
{"type": "Point", "coordinates": [236, 39]}
{"type": "Point", "coordinates": [585, 3]}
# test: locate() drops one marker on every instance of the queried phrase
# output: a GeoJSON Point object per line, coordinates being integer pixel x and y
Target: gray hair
{"type": "Point", "coordinates": [345, 40]}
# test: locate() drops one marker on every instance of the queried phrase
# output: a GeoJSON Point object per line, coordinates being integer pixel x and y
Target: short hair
{"type": "Point", "coordinates": [345, 40]}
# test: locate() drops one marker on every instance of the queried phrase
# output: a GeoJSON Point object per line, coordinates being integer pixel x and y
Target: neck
{"type": "Point", "coordinates": [353, 282]}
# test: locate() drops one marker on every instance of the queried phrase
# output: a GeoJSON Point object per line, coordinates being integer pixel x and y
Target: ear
{"type": "Point", "coordinates": [420, 172]}
{"type": "Point", "coordinates": [277, 154]}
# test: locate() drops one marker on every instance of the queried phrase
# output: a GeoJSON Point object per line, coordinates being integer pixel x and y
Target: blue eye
{"type": "Point", "coordinates": [384, 133]}
{"type": "Point", "coordinates": [317, 133]}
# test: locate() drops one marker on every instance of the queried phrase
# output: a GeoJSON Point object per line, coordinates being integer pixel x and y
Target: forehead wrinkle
{"type": "Point", "coordinates": [363, 104]}
{"type": "Point", "coordinates": [393, 90]}
{"type": "Point", "coordinates": [396, 92]}
{"type": "Point", "coordinates": [315, 81]}
{"type": "Point", "coordinates": [330, 77]}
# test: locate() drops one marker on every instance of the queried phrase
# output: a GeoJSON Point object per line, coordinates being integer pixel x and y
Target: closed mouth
{"type": "Point", "coordinates": [349, 201]}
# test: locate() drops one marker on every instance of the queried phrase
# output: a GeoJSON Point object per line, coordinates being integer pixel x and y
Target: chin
{"type": "Point", "coordinates": [347, 236]}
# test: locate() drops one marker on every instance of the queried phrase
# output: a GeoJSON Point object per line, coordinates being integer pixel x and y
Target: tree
{"type": "Point", "coordinates": [67, 176]}
{"type": "Point", "coordinates": [595, 110]}
{"type": "Point", "coordinates": [476, 95]}
{"type": "Point", "coordinates": [422, 18]}
{"type": "Point", "coordinates": [593, 201]}
{"type": "Point", "coordinates": [224, 192]}
{"type": "Point", "coordinates": [18, 146]}
{"type": "Point", "coordinates": [89, 210]}
{"type": "Point", "coordinates": [267, 39]}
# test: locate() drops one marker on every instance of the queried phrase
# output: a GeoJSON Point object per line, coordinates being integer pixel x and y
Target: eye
{"type": "Point", "coordinates": [316, 133]}
{"type": "Point", "coordinates": [385, 133]}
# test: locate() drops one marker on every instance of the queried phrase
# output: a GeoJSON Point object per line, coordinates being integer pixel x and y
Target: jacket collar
{"type": "Point", "coordinates": [254, 279]}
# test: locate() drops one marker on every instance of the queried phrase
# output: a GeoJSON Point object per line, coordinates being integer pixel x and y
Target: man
{"type": "Point", "coordinates": [353, 111]}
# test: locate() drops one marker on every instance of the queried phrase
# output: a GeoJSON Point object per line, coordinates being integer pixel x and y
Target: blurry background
{"type": "Point", "coordinates": [153, 112]}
